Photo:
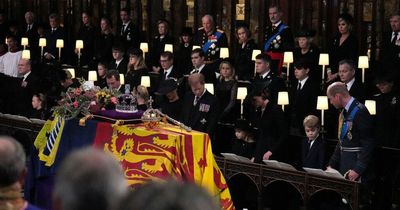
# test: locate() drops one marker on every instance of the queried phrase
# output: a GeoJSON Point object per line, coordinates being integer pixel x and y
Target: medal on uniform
{"type": "Point", "coordinates": [213, 46]}
{"type": "Point", "coordinates": [394, 99]}
{"type": "Point", "coordinates": [349, 135]}
{"type": "Point", "coordinates": [213, 52]}
{"type": "Point", "coordinates": [276, 46]}
{"type": "Point", "coordinates": [278, 37]}
{"type": "Point", "coordinates": [203, 121]}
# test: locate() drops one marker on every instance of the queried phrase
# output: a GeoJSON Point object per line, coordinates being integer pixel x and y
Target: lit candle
{"type": "Point", "coordinates": [26, 54]}
{"type": "Point", "coordinates": [363, 64]}
{"type": "Point", "coordinates": [145, 81]}
{"type": "Point", "coordinates": [241, 95]}
{"type": "Point", "coordinates": [24, 42]}
{"type": "Point", "coordinates": [283, 99]}
{"type": "Point", "coordinates": [371, 106]}
{"type": "Point", "coordinates": [324, 61]}
{"type": "Point", "coordinates": [288, 58]}
{"type": "Point", "coordinates": [168, 47]}
{"type": "Point", "coordinates": [209, 87]}
{"type": "Point", "coordinates": [92, 76]}
{"type": "Point", "coordinates": [322, 104]}
{"type": "Point", "coordinates": [121, 79]}
{"type": "Point", "coordinates": [224, 53]}
{"type": "Point", "coordinates": [144, 46]}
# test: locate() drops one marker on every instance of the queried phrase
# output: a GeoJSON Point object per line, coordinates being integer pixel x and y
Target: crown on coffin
{"type": "Point", "coordinates": [127, 103]}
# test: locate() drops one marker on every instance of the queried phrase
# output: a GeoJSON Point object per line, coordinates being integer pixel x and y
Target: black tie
{"type": "Point", "coordinates": [196, 99]}
{"type": "Point", "coordinates": [123, 29]}
{"type": "Point", "coordinates": [299, 86]}
{"type": "Point", "coordinates": [196, 71]}
{"type": "Point", "coordinates": [165, 74]}
{"type": "Point", "coordinates": [394, 38]}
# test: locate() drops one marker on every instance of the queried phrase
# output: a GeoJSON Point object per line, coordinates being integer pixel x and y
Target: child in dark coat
{"type": "Point", "coordinates": [313, 147]}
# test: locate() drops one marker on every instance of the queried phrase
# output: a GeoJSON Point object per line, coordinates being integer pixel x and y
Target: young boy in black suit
{"type": "Point", "coordinates": [313, 149]}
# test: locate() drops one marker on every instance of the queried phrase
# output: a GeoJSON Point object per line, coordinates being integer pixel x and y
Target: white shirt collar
{"type": "Point", "coordinates": [350, 84]}
{"type": "Point", "coordinates": [201, 67]}
{"type": "Point", "coordinates": [277, 24]}
{"type": "Point", "coordinates": [312, 141]}
{"type": "Point", "coordinates": [169, 70]}
{"type": "Point", "coordinates": [303, 82]}
{"type": "Point", "coordinates": [118, 62]}
{"type": "Point", "coordinates": [266, 73]}
{"type": "Point", "coordinates": [26, 75]}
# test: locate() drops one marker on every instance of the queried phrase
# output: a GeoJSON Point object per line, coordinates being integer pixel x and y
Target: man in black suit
{"type": "Point", "coordinates": [29, 30]}
{"type": "Point", "coordinates": [55, 32]}
{"type": "Point", "coordinates": [391, 46]}
{"type": "Point", "coordinates": [347, 71]}
{"type": "Point", "coordinates": [353, 154]}
{"type": "Point", "coordinates": [272, 129]}
{"type": "Point", "coordinates": [278, 38]}
{"type": "Point", "coordinates": [113, 81]}
{"type": "Point", "coordinates": [200, 107]}
{"type": "Point", "coordinates": [28, 86]}
{"type": "Point", "coordinates": [119, 63]}
{"type": "Point", "coordinates": [303, 97]}
{"type": "Point", "coordinates": [128, 33]}
{"type": "Point", "coordinates": [265, 77]}
{"type": "Point", "coordinates": [168, 71]}
{"type": "Point", "coordinates": [198, 61]}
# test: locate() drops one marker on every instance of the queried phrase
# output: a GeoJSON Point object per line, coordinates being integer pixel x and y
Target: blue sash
{"type": "Point", "coordinates": [345, 126]}
{"type": "Point", "coordinates": [207, 45]}
{"type": "Point", "coordinates": [268, 43]}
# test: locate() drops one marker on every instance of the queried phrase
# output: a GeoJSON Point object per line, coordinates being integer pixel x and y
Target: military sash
{"type": "Point", "coordinates": [347, 124]}
{"type": "Point", "coordinates": [269, 41]}
{"type": "Point", "coordinates": [207, 45]}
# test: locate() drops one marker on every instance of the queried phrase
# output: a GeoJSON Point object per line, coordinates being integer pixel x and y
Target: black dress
{"type": "Point", "coordinates": [172, 109]}
{"type": "Point", "coordinates": [103, 47]}
{"type": "Point", "coordinates": [348, 50]}
{"type": "Point", "coordinates": [243, 63]}
{"type": "Point", "coordinates": [133, 77]}
{"type": "Point", "coordinates": [226, 94]}
{"type": "Point", "coordinates": [243, 148]}
{"type": "Point", "coordinates": [182, 58]}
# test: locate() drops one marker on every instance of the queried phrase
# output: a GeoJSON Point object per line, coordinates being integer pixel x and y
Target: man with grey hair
{"type": "Point", "coordinates": [211, 40]}
{"type": "Point", "coordinates": [12, 175]}
{"type": "Point", "coordinates": [88, 179]}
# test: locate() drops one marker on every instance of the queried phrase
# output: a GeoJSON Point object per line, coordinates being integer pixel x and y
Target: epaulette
{"type": "Point", "coordinates": [201, 28]}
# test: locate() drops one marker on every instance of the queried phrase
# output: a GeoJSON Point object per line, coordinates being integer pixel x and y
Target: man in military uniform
{"type": "Point", "coordinates": [128, 33]}
{"type": "Point", "coordinates": [278, 38]}
{"type": "Point", "coordinates": [353, 156]}
{"type": "Point", "coordinates": [211, 40]}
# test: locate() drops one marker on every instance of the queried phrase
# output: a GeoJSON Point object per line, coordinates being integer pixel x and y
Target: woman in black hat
{"type": "Point", "coordinates": [184, 51]}
{"type": "Point", "coordinates": [308, 52]}
{"type": "Point", "coordinates": [244, 143]}
{"type": "Point", "coordinates": [343, 46]}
